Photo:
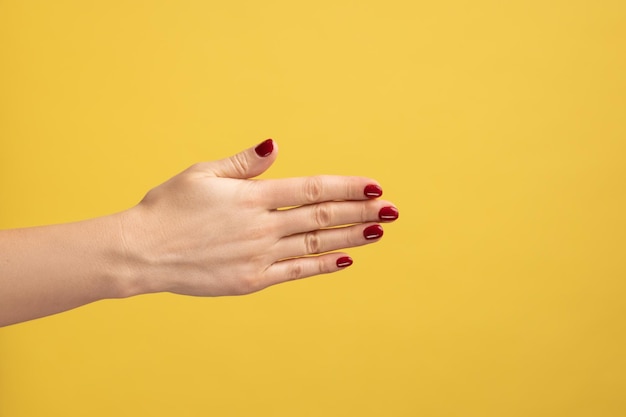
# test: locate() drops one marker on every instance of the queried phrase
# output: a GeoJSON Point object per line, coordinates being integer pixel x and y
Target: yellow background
{"type": "Point", "coordinates": [497, 127]}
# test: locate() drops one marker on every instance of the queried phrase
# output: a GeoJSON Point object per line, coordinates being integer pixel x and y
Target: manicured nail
{"type": "Point", "coordinates": [265, 148]}
{"type": "Point", "coordinates": [373, 232]}
{"type": "Point", "coordinates": [372, 191]}
{"type": "Point", "coordinates": [388, 213]}
{"type": "Point", "coordinates": [344, 261]}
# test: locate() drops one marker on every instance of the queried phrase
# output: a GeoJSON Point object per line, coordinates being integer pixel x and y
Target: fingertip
{"type": "Point", "coordinates": [373, 232]}
{"type": "Point", "coordinates": [344, 262]}
{"type": "Point", "coordinates": [265, 148]}
{"type": "Point", "coordinates": [373, 191]}
{"type": "Point", "coordinates": [388, 213]}
{"type": "Point", "coordinates": [245, 164]}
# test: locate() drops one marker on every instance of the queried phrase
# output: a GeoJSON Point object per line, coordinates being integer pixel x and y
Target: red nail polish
{"type": "Point", "coordinates": [372, 191]}
{"type": "Point", "coordinates": [344, 262]}
{"type": "Point", "coordinates": [388, 213]}
{"type": "Point", "coordinates": [373, 232]}
{"type": "Point", "coordinates": [265, 148]}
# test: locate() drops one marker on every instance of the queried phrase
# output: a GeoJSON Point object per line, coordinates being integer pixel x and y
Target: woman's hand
{"type": "Point", "coordinates": [211, 230]}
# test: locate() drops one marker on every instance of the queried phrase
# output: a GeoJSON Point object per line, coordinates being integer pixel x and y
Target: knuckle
{"type": "Point", "coordinates": [354, 188]}
{"type": "Point", "coordinates": [322, 215]}
{"type": "Point", "coordinates": [251, 196]}
{"type": "Point", "coordinates": [248, 284]}
{"type": "Point", "coordinates": [351, 189]}
{"type": "Point", "coordinates": [186, 179]}
{"type": "Point", "coordinates": [295, 271]}
{"type": "Point", "coordinates": [325, 267]}
{"type": "Point", "coordinates": [312, 243]}
{"type": "Point", "coordinates": [352, 238]}
{"type": "Point", "coordinates": [197, 167]}
{"type": "Point", "coordinates": [240, 164]}
{"type": "Point", "coordinates": [313, 189]}
{"type": "Point", "coordinates": [364, 213]}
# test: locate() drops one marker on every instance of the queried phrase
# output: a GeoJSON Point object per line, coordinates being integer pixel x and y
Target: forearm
{"type": "Point", "coordinates": [49, 269]}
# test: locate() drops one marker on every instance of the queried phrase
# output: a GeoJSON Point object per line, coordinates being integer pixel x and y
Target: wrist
{"type": "Point", "coordinates": [124, 257]}
{"type": "Point", "coordinates": [137, 267]}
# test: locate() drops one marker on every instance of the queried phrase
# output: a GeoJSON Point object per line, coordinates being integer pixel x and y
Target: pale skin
{"type": "Point", "coordinates": [211, 230]}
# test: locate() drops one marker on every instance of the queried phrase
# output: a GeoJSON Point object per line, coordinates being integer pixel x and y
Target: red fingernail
{"type": "Point", "coordinates": [373, 191]}
{"type": "Point", "coordinates": [373, 232]}
{"type": "Point", "coordinates": [388, 213]}
{"type": "Point", "coordinates": [344, 261]}
{"type": "Point", "coordinates": [265, 148]}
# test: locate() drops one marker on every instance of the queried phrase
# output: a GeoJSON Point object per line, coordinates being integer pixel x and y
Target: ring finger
{"type": "Point", "coordinates": [326, 240]}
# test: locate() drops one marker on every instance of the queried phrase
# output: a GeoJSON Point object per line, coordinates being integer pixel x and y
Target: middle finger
{"type": "Point", "coordinates": [337, 213]}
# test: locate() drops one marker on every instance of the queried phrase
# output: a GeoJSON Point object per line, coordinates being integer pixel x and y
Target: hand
{"type": "Point", "coordinates": [211, 230]}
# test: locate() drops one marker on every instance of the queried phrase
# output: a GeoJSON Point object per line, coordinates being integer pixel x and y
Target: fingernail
{"type": "Point", "coordinates": [388, 213]}
{"type": "Point", "coordinates": [344, 261]}
{"type": "Point", "coordinates": [265, 148]}
{"type": "Point", "coordinates": [373, 232]}
{"type": "Point", "coordinates": [373, 191]}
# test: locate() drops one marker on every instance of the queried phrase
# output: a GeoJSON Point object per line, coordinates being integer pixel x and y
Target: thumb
{"type": "Point", "coordinates": [247, 164]}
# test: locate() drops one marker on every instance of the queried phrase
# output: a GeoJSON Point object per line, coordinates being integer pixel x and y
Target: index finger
{"type": "Point", "coordinates": [287, 192]}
